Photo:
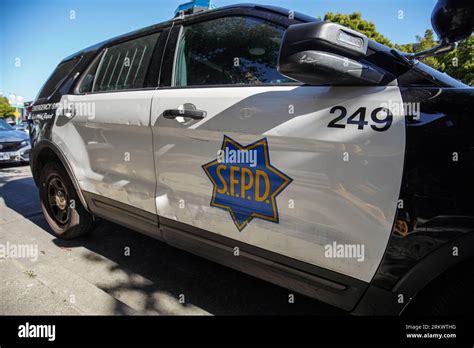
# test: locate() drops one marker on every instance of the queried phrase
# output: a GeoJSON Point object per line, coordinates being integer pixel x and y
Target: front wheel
{"type": "Point", "coordinates": [61, 206]}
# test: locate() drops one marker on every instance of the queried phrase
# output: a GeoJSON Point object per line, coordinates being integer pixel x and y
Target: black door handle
{"type": "Point", "coordinates": [194, 114]}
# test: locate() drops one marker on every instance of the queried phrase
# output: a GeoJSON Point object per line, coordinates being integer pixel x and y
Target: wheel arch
{"type": "Point", "coordinates": [434, 265]}
{"type": "Point", "coordinates": [46, 151]}
{"type": "Point", "coordinates": [380, 301]}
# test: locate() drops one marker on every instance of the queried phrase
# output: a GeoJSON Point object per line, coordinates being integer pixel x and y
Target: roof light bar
{"type": "Point", "coordinates": [194, 6]}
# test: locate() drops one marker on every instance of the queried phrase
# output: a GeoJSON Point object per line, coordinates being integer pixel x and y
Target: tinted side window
{"type": "Point", "coordinates": [87, 81]}
{"type": "Point", "coordinates": [57, 77]}
{"type": "Point", "coordinates": [124, 66]}
{"type": "Point", "coordinates": [229, 50]}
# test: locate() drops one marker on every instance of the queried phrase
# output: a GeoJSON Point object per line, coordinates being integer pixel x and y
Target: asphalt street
{"type": "Point", "coordinates": [96, 275]}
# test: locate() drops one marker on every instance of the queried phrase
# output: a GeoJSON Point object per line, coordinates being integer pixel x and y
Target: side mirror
{"type": "Point", "coordinates": [453, 20]}
{"type": "Point", "coordinates": [318, 53]}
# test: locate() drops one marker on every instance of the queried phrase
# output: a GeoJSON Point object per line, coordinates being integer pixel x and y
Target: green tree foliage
{"type": "Point", "coordinates": [426, 42]}
{"type": "Point", "coordinates": [5, 108]}
{"type": "Point", "coordinates": [458, 63]}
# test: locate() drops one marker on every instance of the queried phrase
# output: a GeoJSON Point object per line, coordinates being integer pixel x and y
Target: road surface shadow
{"type": "Point", "coordinates": [18, 190]}
{"type": "Point", "coordinates": [214, 288]}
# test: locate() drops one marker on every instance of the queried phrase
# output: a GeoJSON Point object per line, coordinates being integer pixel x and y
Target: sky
{"type": "Point", "coordinates": [35, 35]}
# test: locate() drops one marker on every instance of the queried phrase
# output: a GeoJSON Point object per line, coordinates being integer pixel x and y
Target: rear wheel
{"type": "Point", "coordinates": [60, 204]}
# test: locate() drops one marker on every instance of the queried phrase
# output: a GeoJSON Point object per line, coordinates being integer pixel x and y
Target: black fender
{"type": "Point", "coordinates": [380, 301]}
{"type": "Point", "coordinates": [437, 213]}
{"type": "Point", "coordinates": [435, 264]}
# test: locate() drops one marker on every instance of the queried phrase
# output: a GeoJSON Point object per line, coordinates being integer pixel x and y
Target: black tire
{"type": "Point", "coordinates": [61, 205]}
{"type": "Point", "coordinates": [450, 294]}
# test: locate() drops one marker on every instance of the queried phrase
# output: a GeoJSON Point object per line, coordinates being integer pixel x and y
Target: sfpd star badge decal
{"type": "Point", "coordinates": [245, 183]}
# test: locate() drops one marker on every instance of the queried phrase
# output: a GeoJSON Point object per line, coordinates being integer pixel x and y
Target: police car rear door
{"type": "Point", "coordinates": [309, 172]}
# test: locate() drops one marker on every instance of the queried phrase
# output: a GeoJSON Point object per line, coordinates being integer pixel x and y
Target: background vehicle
{"type": "Point", "coordinates": [10, 121]}
{"type": "Point", "coordinates": [130, 130]}
{"type": "Point", "coordinates": [23, 126]}
{"type": "Point", "coordinates": [14, 144]}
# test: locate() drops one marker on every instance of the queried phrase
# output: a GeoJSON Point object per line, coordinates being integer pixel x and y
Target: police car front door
{"type": "Point", "coordinates": [312, 173]}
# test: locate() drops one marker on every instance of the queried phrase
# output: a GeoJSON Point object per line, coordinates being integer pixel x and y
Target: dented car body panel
{"type": "Point", "coordinates": [349, 187]}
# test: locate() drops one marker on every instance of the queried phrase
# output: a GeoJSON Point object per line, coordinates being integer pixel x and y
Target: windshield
{"type": "Point", "coordinates": [5, 126]}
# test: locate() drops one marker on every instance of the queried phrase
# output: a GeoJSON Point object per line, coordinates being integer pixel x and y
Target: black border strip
{"type": "Point", "coordinates": [138, 330]}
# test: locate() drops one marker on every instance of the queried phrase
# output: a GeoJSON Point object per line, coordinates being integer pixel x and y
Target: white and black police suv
{"type": "Point", "coordinates": [330, 164]}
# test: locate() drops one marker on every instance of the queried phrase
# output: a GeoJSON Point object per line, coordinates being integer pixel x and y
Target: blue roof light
{"type": "Point", "coordinates": [194, 6]}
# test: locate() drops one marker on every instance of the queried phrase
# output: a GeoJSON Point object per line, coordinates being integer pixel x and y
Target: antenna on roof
{"type": "Point", "coordinates": [193, 6]}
